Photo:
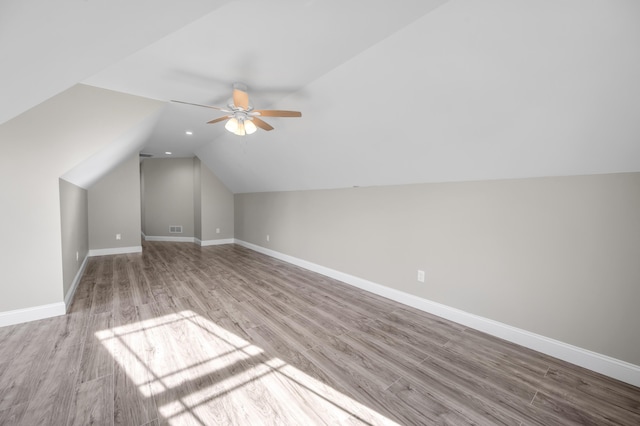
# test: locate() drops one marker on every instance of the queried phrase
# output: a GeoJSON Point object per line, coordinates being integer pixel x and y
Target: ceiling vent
{"type": "Point", "coordinates": [143, 155]}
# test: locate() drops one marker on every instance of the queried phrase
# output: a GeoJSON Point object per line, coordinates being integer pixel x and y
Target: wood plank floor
{"type": "Point", "coordinates": [222, 335]}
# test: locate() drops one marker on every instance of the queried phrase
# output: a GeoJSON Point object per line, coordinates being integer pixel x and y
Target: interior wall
{"type": "Point", "coordinates": [184, 191]}
{"type": "Point", "coordinates": [168, 196]}
{"type": "Point", "coordinates": [142, 211]}
{"type": "Point", "coordinates": [74, 224]}
{"type": "Point", "coordinates": [197, 198]}
{"type": "Point", "coordinates": [217, 206]}
{"type": "Point", "coordinates": [39, 146]}
{"type": "Point", "coordinates": [554, 256]}
{"type": "Point", "coordinates": [114, 208]}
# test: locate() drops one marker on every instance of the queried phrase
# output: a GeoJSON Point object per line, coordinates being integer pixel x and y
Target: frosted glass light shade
{"type": "Point", "coordinates": [232, 125]}
{"type": "Point", "coordinates": [249, 127]}
{"type": "Point", "coordinates": [240, 130]}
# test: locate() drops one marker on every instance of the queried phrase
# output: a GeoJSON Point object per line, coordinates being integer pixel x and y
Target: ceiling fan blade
{"type": "Point", "coordinates": [241, 99]}
{"type": "Point", "coordinates": [262, 124]}
{"type": "Point", "coordinates": [205, 106]}
{"type": "Point", "coordinates": [217, 120]}
{"type": "Point", "coordinates": [277, 113]}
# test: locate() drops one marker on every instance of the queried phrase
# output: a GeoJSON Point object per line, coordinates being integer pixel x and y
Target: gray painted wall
{"type": "Point", "coordinates": [555, 256]}
{"type": "Point", "coordinates": [51, 138]}
{"type": "Point", "coordinates": [217, 206]}
{"type": "Point", "coordinates": [168, 196]}
{"type": "Point", "coordinates": [74, 224]}
{"type": "Point", "coordinates": [197, 198]}
{"type": "Point", "coordinates": [183, 191]}
{"type": "Point", "coordinates": [114, 207]}
{"type": "Point", "coordinates": [142, 211]}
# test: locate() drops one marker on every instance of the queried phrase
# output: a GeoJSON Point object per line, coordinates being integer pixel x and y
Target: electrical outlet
{"type": "Point", "coordinates": [77, 256]}
{"type": "Point", "coordinates": [118, 236]}
{"type": "Point", "coordinates": [420, 275]}
{"type": "Point", "coordinates": [217, 230]}
{"type": "Point", "coordinates": [267, 237]}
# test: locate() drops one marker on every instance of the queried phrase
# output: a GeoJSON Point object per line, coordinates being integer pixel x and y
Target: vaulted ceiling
{"type": "Point", "coordinates": [391, 92]}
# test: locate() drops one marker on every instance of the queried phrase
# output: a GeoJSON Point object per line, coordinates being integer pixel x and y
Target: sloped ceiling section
{"type": "Point", "coordinates": [276, 47]}
{"type": "Point", "coordinates": [48, 46]}
{"type": "Point", "coordinates": [130, 142]}
{"type": "Point", "coordinates": [423, 91]}
{"type": "Point", "coordinates": [470, 91]}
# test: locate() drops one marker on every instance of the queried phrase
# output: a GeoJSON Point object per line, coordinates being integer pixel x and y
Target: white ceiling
{"type": "Point", "coordinates": [391, 93]}
{"type": "Point", "coordinates": [48, 46]}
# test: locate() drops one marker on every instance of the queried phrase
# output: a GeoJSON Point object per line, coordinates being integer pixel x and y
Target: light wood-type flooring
{"type": "Point", "coordinates": [223, 335]}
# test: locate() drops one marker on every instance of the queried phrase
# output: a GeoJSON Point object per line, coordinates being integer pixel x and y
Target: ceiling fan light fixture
{"type": "Point", "coordinates": [242, 119]}
{"type": "Point", "coordinates": [249, 127]}
{"type": "Point", "coordinates": [240, 130]}
{"type": "Point", "coordinates": [232, 125]}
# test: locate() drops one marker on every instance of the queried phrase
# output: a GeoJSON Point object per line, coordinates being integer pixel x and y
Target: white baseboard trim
{"type": "Point", "coordinates": [603, 364]}
{"type": "Point", "coordinates": [19, 316]}
{"type": "Point", "coordinates": [214, 242]}
{"type": "Point", "coordinates": [74, 285]}
{"type": "Point", "coordinates": [173, 239]}
{"type": "Point", "coordinates": [115, 250]}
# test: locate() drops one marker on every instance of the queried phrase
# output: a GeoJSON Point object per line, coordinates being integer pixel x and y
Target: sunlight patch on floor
{"type": "Point", "coordinates": [201, 373]}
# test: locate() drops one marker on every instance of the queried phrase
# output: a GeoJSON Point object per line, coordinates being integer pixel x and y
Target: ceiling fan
{"type": "Point", "coordinates": [242, 118]}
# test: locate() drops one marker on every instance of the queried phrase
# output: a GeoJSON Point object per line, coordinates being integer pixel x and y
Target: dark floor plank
{"type": "Point", "coordinates": [577, 397]}
{"type": "Point", "coordinates": [85, 287]}
{"type": "Point", "coordinates": [594, 390]}
{"type": "Point", "coordinates": [22, 375]}
{"type": "Point", "coordinates": [50, 404]}
{"type": "Point", "coordinates": [569, 413]}
{"type": "Point", "coordinates": [92, 403]}
{"type": "Point", "coordinates": [361, 386]}
{"type": "Point", "coordinates": [428, 408]}
{"type": "Point", "coordinates": [102, 300]}
{"type": "Point", "coordinates": [97, 354]}
{"type": "Point", "coordinates": [13, 415]}
{"type": "Point", "coordinates": [140, 290]}
{"type": "Point", "coordinates": [481, 397]}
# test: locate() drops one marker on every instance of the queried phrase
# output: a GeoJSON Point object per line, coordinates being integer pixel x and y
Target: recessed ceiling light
{"type": "Point", "coordinates": [189, 132]}
{"type": "Point", "coordinates": [168, 152]}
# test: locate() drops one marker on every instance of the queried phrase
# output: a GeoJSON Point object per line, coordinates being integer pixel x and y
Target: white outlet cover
{"type": "Point", "coordinates": [420, 276]}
